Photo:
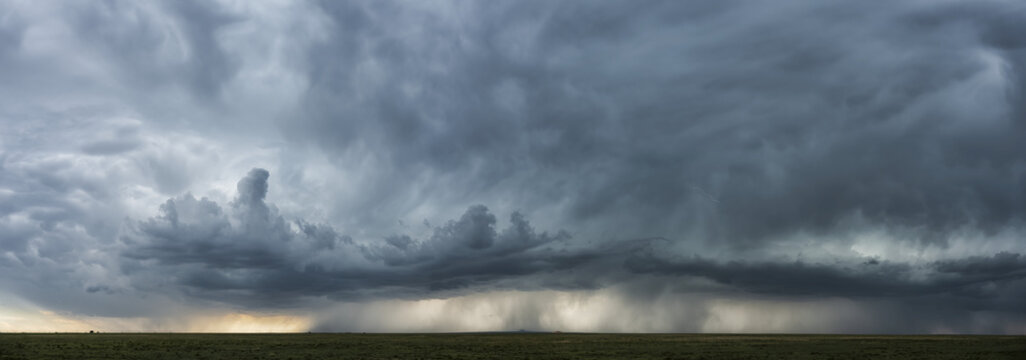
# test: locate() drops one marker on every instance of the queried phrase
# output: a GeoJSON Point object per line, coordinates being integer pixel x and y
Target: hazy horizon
{"type": "Point", "coordinates": [461, 166]}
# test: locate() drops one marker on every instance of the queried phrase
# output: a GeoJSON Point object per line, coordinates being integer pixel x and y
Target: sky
{"type": "Point", "coordinates": [613, 166]}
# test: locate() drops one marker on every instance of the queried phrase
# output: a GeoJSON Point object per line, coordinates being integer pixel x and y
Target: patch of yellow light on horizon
{"type": "Point", "coordinates": [39, 321]}
{"type": "Point", "coordinates": [249, 323]}
{"type": "Point", "coordinates": [21, 320]}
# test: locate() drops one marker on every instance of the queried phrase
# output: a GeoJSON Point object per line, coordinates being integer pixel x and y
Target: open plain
{"type": "Point", "coordinates": [504, 346]}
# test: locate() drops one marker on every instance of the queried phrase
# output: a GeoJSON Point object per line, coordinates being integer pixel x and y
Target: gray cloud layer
{"type": "Point", "coordinates": [767, 128]}
{"type": "Point", "coordinates": [248, 253]}
{"type": "Point", "coordinates": [249, 250]}
{"type": "Point", "coordinates": [863, 151]}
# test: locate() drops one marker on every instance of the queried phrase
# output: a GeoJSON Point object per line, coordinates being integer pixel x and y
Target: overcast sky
{"type": "Point", "coordinates": [727, 166]}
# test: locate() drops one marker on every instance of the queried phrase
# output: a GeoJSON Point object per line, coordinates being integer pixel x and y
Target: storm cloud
{"type": "Point", "coordinates": [249, 254]}
{"type": "Point", "coordinates": [324, 158]}
{"type": "Point", "coordinates": [249, 251]}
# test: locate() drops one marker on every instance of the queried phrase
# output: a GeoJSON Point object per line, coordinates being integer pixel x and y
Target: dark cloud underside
{"type": "Point", "coordinates": [264, 259]}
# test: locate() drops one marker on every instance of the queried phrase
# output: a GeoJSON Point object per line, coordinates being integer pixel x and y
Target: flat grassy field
{"type": "Point", "coordinates": [505, 346]}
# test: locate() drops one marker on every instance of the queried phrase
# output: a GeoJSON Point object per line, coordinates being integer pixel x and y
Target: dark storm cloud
{"type": "Point", "coordinates": [999, 28]}
{"type": "Point", "coordinates": [249, 249]}
{"type": "Point", "coordinates": [735, 122]}
{"type": "Point", "coordinates": [137, 40]}
{"type": "Point", "coordinates": [249, 254]}
{"type": "Point", "coordinates": [988, 283]}
{"type": "Point", "coordinates": [124, 48]}
{"type": "Point", "coordinates": [786, 150]}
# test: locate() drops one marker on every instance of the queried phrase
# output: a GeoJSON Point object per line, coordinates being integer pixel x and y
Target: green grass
{"type": "Point", "coordinates": [505, 346]}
